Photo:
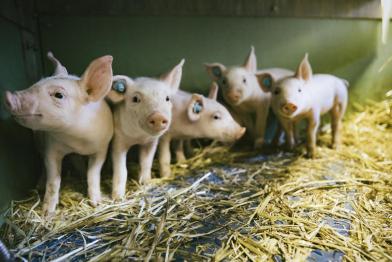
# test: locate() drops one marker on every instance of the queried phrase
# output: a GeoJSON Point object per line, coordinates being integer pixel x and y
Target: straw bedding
{"type": "Point", "coordinates": [233, 207]}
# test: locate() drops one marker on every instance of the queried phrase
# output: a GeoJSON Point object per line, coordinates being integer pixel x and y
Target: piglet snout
{"type": "Point", "coordinates": [234, 96]}
{"type": "Point", "coordinates": [289, 108]}
{"type": "Point", "coordinates": [157, 121]}
{"type": "Point", "coordinates": [240, 133]}
{"type": "Point", "coordinates": [20, 103]}
{"type": "Point", "coordinates": [9, 101]}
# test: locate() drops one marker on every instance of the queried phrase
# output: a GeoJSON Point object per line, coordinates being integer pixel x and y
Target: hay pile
{"type": "Point", "coordinates": [233, 207]}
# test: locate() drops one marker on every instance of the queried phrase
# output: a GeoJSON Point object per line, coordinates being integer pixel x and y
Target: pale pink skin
{"type": "Point", "coordinates": [213, 121]}
{"type": "Point", "coordinates": [78, 121]}
{"type": "Point", "coordinates": [243, 94]}
{"type": "Point", "coordinates": [133, 122]}
{"type": "Point", "coordinates": [307, 96]}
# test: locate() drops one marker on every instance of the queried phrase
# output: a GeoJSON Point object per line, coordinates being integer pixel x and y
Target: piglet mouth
{"type": "Point", "coordinates": [230, 138]}
{"type": "Point", "coordinates": [26, 115]}
{"type": "Point", "coordinates": [234, 102]}
{"type": "Point", "coordinates": [285, 114]}
{"type": "Point", "coordinates": [240, 133]}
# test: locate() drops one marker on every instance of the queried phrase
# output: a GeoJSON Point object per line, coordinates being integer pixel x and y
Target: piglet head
{"type": "Point", "coordinates": [212, 119]}
{"type": "Point", "coordinates": [146, 102]}
{"type": "Point", "coordinates": [237, 82]}
{"type": "Point", "coordinates": [55, 102]}
{"type": "Point", "coordinates": [289, 95]}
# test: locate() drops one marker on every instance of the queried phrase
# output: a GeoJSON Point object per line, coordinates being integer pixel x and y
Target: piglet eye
{"type": "Point", "coordinates": [299, 90]}
{"type": "Point", "coordinates": [224, 82]}
{"type": "Point", "coordinates": [277, 91]}
{"type": "Point", "coordinates": [136, 99]}
{"type": "Point", "coordinates": [217, 117]}
{"type": "Point", "coordinates": [167, 99]}
{"type": "Point", "coordinates": [244, 80]}
{"type": "Point", "coordinates": [58, 95]}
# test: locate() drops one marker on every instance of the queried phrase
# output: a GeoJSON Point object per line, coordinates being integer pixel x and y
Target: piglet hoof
{"type": "Point", "coordinates": [49, 215]}
{"type": "Point", "coordinates": [144, 180]}
{"type": "Point", "coordinates": [311, 154]}
{"type": "Point", "coordinates": [259, 143]}
{"type": "Point", "coordinates": [116, 196]}
{"type": "Point", "coordinates": [48, 212]}
{"type": "Point", "coordinates": [335, 146]}
{"type": "Point", "coordinates": [181, 158]}
{"type": "Point", "coordinates": [165, 172]}
{"type": "Point", "coordinates": [95, 201]}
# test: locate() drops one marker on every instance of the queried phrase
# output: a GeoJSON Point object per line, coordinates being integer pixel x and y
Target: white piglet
{"type": "Point", "coordinates": [196, 116]}
{"type": "Point", "coordinates": [241, 91]}
{"type": "Point", "coordinates": [142, 112]}
{"type": "Point", "coordinates": [69, 115]}
{"type": "Point", "coordinates": [307, 96]}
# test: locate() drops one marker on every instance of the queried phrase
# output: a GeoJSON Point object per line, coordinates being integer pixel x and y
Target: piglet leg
{"type": "Point", "coordinates": [146, 157]}
{"type": "Point", "coordinates": [53, 179]}
{"type": "Point", "coordinates": [313, 124]}
{"type": "Point", "coordinates": [289, 131]}
{"type": "Point", "coordinates": [277, 135]}
{"type": "Point", "coordinates": [164, 156]}
{"type": "Point", "coordinates": [120, 173]}
{"type": "Point", "coordinates": [336, 122]}
{"type": "Point", "coordinates": [261, 123]}
{"type": "Point", "coordinates": [95, 163]}
{"type": "Point", "coordinates": [180, 155]}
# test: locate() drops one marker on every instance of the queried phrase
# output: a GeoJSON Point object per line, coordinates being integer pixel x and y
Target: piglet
{"type": "Point", "coordinates": [69, 115]}
{"type": "Point", "coordinates": [307, 96]}
{"type": "Point", "coordinates": [241, 91]}
{"type": "Point", "coordinates": [196, 116]}
{"type": "Point", "coordinates": [142, 112]}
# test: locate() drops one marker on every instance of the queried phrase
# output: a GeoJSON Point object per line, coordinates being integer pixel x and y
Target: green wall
{"type": "Point", "coordinates": [151, 45]}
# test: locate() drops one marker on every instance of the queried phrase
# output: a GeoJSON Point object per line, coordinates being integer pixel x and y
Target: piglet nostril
{"type": "Point", "coordinates": [157, 121]}
{"type": "Point", "coordinates": [289, 108]}
{"type": "Point", "coordinates": [293, 107]}
{"type": "Point", "coordinates": [234, 96]}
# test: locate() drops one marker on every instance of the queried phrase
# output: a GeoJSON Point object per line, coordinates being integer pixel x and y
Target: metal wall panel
{"type": "Point", "coordinates": [259, 8]}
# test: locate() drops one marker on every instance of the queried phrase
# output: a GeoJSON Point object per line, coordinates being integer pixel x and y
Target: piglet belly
{"type": "Point", "coordinates": [323, 99]}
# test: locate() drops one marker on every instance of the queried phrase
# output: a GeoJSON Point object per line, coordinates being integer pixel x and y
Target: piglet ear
{"type": "Point", "coordinates": [213, 91]}
{"type": "Point", "coordinates": [215, 70]}
{"type": "Point", "coordinates": [59, 69]}
{"type": "Point", "coordinates": [304, 70]}
{"type": "Point", "coordinates": [195, 107]}
{"type": "Point", "coordinates": [173, 77]}
{"type": "Point", "coordinates": [97, 79]}
{"type": "Point", "coordinates": [250, 63]}
{"type": "Point", "coordinates": [266, 81]}
{"type": "Point", "coordinates": [119, 88]}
